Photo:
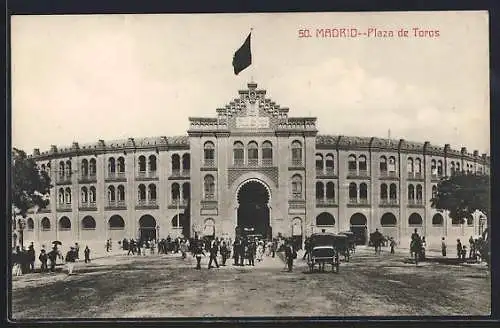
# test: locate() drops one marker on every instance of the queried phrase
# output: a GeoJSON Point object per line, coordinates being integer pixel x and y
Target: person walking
{"type": "Point", "coordinates": [77, 251]}
{"type": "Point", "coordinates": [53, 254]}
{"type": "Point", "coordinates": [70, 260]}
{"type": "Point", "coordinates": [31, 257]}
{"type": "Point", "coordinates": [236, 251]}
{"type": "Point", "coordinates": [459, 249]}
{"type": "Point", "coordinates": [197, 252]}
{"type": "Point", "coordinates": [224, 252]}
{"type": "Point", "coordinates": [290, 255]}
{"type": "Point", "coordinates": [183, 248]}
{"type": "Point", "coordinates": [43, 259]}
{"type": "Point", "coordinates": [86, 253]}
{"type": "Point", "coordinates": [393, 245]}
{"type": "Point", "coordinates": [213, 255]}
{"type": "Point", "coordinates": [251, 253]}
{"type": "Point", "coordinates": [443, 247]}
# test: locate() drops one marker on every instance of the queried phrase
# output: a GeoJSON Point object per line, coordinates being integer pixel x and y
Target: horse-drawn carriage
{"type": "Point", "coordinates": [325, 248]}
{"type": "Point", "coordinates": [351, 244]}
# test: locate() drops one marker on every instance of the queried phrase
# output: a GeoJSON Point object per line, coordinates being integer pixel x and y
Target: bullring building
{"type": "Point", "coordinates": [250, 167]}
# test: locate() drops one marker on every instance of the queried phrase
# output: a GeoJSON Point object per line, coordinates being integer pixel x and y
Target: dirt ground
{"type": "Point", "coordinates": [167, 286]}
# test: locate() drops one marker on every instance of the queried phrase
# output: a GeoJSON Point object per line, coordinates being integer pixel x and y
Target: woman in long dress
{"type": "Point", "coordinates": [260, 251]}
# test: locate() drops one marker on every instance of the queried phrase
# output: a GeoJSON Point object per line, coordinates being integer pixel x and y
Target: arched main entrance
{"type": "Point", "coordinates": [253, 209]}
{"type": "Point", "coordinates": [147, 227]}
{"type": "Point", "coordinates": [358, 227]}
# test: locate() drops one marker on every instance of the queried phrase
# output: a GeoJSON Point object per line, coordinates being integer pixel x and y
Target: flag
{"type": "Point", "coordinates": [242, 57]}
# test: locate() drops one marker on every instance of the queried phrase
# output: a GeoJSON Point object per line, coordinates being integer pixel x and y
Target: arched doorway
{"type": "Point", "coordinates": [253, 210]}
{"type": "Point", "coordinates": [147, 227]}
{"type": "Point", "coordinates": [358, 227]}
{"type": "Point", "coordinates": [297, 238]}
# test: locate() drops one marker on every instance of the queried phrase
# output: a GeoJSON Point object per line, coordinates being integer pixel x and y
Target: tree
{"type": "Point", "coordinates": [30, 185]}
{"type": "Point", "coordinates": [463, 194]}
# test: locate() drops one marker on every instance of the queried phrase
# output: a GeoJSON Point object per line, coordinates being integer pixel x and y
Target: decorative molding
{"type": "Point", "coordinates": [234, 173]}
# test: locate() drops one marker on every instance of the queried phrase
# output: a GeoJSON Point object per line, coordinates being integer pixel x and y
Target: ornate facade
{"type": "Point", "coordinates": [250, 167]}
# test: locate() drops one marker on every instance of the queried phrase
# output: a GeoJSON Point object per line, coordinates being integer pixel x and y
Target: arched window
{"type": "Point", "coordinates": [209, 186]}
{"type": "Point", "coordinates": [330, 164]}
{"type": "Point", "coordinates": [62, 171]}
{"type": "Point", "coordinates": [253, 153]}
{"type": "Point", "coordinates": [434, 191]}
{"type": "Point", "coordinates": [85, 168]}
{"type": "Point", "coordinates": [392, 164]}
{"type": "Point", "coordinates": [418, 166]}
{"type": "Point", "coordinates": [320, 190]}
{"type": "Point", "coordinates": [383, 164]}
{"type": "Point", "coordinates": [267, 153]}
{"type": "Point", "coordinates": [92, 167]}
{"type": "Point", "coordinates": [152, 191]}
{"type": "Point", "coordinates": [296, 153]}
{"type": "Point", "coordinates": [209, 153]}
{"type": "Point", "coordinates": [186, 162]}
{"type": "Point", "coordinates": [30, 224]}
{"type": "Point", "coordinates": [116, 223]}
{"type": "Point", "coordinates": [440, 168]}
{"type": "Point", "coordinates": [85, 195]}
{"type": "Point", "coordinates": [353, 192]}
{"type": "Point", "coordinates": [363, 192]}
{"type": "Point", "coordinates": [186, 191]}
{"type": "Point", "coordinates": [410, 165]}
{"type": "Point", "coordinates": [176, 164]}
{"type": "Point", "coordinates": [411, 193]}
{"type": "Point", "coordinates": [142, 163]}
{"type": "Point", "coordinates": [175, 192]}
{"type": "Point", "coordinates": [319, 163]}
{"type": "Point", "coordinates": [419, 193]}
{"type": "Point", "coordinates": [437, 219]}
{"type": "Point", "coordinates": [330, 191]}
{"type": "Point", "coordinates": [388, 220]}
{"type": "Point", "coordinates": [152, 163]}
{"type": "Point", "coordinates": [383, 191]}
{"type": "Point", "coordinates": [393, 192]}
{"type": "Point", "coordinates": [325, 219]}
{"type": "Point", "coordinates": [121, 164]}
{"type": "Point", "coordinates": [92, 195]}
{"type": "Point", "coordinates": [238, 153]}
{"type": "Point", "coordinates": [362, 163]}
{"type": "Point", "coordinates": [64, 223]}
{"type": "Point", "coordinates": [60, 196]}
{"type": "Point", "coordinates": [68, 169]}
{"type": "Point", "coordinates": [121, 193]}
{"type": "Point", "coordinates": [142, 192]}
{"type": "Point", "coordinates": [351, 163]}
{"type": "Point", "coordinates": [111, 165]}
{"type": "Point", "coordinates": [67, 195]}
{"type": "Point", "coordinates": [88, 223]}
{"type": "Point", "coordinates": [45, 224]}
{"type": "Point", "coordinates": [415, 220]}
{"type": "Point", "coordinates": [111, 194]}
{"type": "Point", "coordinates": [178, 221]}
{"type": "Point", "coordinates": [297, 186]}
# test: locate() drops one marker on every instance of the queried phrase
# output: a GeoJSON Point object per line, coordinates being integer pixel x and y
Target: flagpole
{"type": "Point", "coordinates": [253, 65]}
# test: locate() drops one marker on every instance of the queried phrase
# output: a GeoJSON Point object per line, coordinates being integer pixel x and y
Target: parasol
{"type": "Point", "coordinates": [57, 242]}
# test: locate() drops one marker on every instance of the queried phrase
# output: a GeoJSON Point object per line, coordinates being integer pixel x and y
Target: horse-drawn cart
{"type": "Point", "coordinates": [325, 249]}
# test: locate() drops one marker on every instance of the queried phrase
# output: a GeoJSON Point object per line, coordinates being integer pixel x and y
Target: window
{"type": "Point", "coordinates": [175, 191]}
{"type": "Point", "coordinates": [142, 192]}
{"type": "Point", "coordinates": [433, 167]}
{"type": "Point", "coordinates": [186, 162]}
{"type": "Point", "coordinates": [330, 164]}
{"type": "Point", "coordinates": [362, 163]}
{"type": "Point", "coordinates": [410, 165]}
{"type": "Point", "coordinates": [440, 167]}
{"type": "Point", "coordinates": [325, 219]}
{"type": "Point", "coordinates": [85, 195]}
{"type": "Point", "coordinates": [111, 165]}
{"type": "Point", "coordinates": [238, 153]}
{"type": "Point", "coordinates": [142, 164]}
{"type": "Point", "coordinates": [415, 220]}
{"type": "Point", "coordinates": [437, 219]}
{"type": "Point", "coordinates": [383, 164]}
{"type": "Point", "coordinates": [85, 168]}
{"type": "Point", "coordinates": [186, 191]}
{"type": "Point", "coordinates": [111, 194]}
{"type": "Point", "coordinates": [64, 223]}
{"type": "Point", "coordinates": [296, 153]}
{"type": "Point", "coordinates": [30, 224]}
{"type": "Point", "coordinates": [297, 186]}
{"type": "Point", "coordinates": [121, 164]}
{"type": "Point", "coordinates": [392, 164]}
{"type": "Point", "coordinates": [92, 194]}
{"type": "Point", "coordinates": [116, 223]}
{"type": "Point", "coordinates": [452, 168]}
{"type": "Point", "coordinates": [61, 196]}
{"type": "Point", "coordinates": [418, 166]}
{"type": "Point", "coordinates": [209, 153]}
{"type": "Point", "coordinates": [121, 193]}
{"type": "Point", "coordinates": [68, 169]}
{"type": "Point", "coordinates": [67, 196]}
{"type": "Point", "coordinates": [45, 224]}
{"type": "Point", "coordinates": [253, 153]}
{"type": "Point", "coordinates": [383, 191]}
{"type": "Point", "coordinates": [320, 190]}
{"type": "Point", "coordinates": [178, 221]}
{"type": "Point", "coordinates": [411, 193]}
{"type": "Point", "coordinates": [363, 191]}
{"type": "Point", "coordinates": [209, 185]}
{"type": "Point", "coordinates": [319, 162]}
{"type": "Point", "coordinates": [152, 163]}
{"type": "Point", "coordinates": [351, 163]}
{"type": "Point", "coordinates": [61, 170]}
{"type": "Point", "coordinates": [353, 192]}
{"type": "Point", "coordinates": [419, 193]}
{"type": "Point", "coordinates": [388, 220]}
{"type": "Point", "coordinates": [330, 191]}
{"type": "Point", "coordinates": [152, 191]}
{"type": "Point", "coordinates": [434, 191]}
{"type": "Point", "coordinates": [267, 153]}
{"type": "Point", "coordinates": [88, 223]}
{"type": "Point", "coordinates": [92, 167]}
{"type": "Point", "coordinates": [393, 192]}
{"type": "Point", "coordinates": [176, 162]}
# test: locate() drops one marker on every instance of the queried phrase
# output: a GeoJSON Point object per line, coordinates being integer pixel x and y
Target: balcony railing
{"type": "Point", "coordinates": [363, 173]}
{"type": "Point", "coordinates": [389, 174]}
{"type": "Point", "coordinates": [325, 202]}
{"type": "Point", "coordinates": [415, 202]}
{"type": "Point", "coordinates": [390, 201]}
{"type": "Point", "coordinates": [363, 201]}
{"type": "Point", "coordinates": [115, 175]}
{"type": "Point", "coordinates": [239, 162]}
{"type": "Point", "coordinates": [209, 162]}
{"type": "Point", "coordinates": [209, 197]}
{"type": "Point", "coordinates": [147, 174]}
{"type": "Point", "coordinates": [253, 162]}
{"type": "Point", "coordinates": [267, 162]}
{"type": "Point", "coordinates": [360, 201]}
{"type": "Point", "coordinates": [88, 206]}
{"type": "Point", "coordinates": [88, 177]}
{"type": "Point", "coordinates": [296, 162]}
{"type": "Point", "coordinates": [63, 179]}
{"type": "Point", "coordinates": [296, 195]}
{"type": "Point", "coordinates": [64, 207]}
{"type": "Point", "coordinates": [146, 203]}
{"type": "Point", "coordinates": [179, 202]}
{"type": "Point", "coordinates": [116, 203]}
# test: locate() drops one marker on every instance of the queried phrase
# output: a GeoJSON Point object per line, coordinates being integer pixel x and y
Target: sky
{"type": "Point", "coordinates": [90, 77]}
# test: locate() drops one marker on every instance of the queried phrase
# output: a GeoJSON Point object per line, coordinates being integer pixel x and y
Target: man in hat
{"type": "Point", "coordinates": [70, 260]}
{"type": "Point", "coordinates": [213, 255]}
{"type": "Point", "coordinates": [86, 252]}
{"type": "Point", "coordinates": [43, 259]}
{"type": "Point", "coordinates": [197, 252]}
{"type": "Point", "coordinates": [290, 254]}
